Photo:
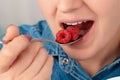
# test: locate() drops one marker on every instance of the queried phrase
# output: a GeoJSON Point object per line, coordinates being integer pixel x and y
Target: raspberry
{"type": "Point", "coordinates": [74, 31]}
{"type": "Point", "coordinates": [63, 36]}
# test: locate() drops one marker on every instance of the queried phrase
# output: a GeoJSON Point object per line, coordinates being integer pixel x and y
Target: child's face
{"type": "Point", "coordinates": [105, 30]}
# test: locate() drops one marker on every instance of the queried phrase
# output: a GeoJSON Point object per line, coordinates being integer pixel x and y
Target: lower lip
{"type": "Point", "coordinates": [85, 37]}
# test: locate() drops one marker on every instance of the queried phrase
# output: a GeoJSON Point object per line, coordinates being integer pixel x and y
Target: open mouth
{"type": "Point", "coordinates": [73, 31]}
{"type": "Point", "coordinates": [84, 26]}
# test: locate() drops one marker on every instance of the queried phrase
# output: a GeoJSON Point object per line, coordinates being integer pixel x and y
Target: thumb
{"type": "Point", "coordinates": [11, 32]}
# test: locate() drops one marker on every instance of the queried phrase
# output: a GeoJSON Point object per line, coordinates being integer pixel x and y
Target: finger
{"type": "Point", "coordinates": [35, 67]}
{"type": "Point", "coordinates": [46, 71]}
{"type": "Point", "coordinates": [26, 58]}
{"type": "Point", "coordinates": [11, 32]}
{"type": "Point", "coordinates": [10, 51]}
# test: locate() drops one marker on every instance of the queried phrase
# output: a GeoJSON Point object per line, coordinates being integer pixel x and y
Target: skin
{"type": "Point", "coordinates": [17, 60]}
{"type": "Point", "coordinates": [102, 47]}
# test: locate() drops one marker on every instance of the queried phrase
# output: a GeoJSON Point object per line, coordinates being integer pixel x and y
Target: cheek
{"type": "Point", "coordinates": [104, 7]}
{"type": "Point", "coordinates": [47, 8]}
{"type": "Point", "coordinates": [108, 27]}
{"type": "Point", "coordinates": [108, 18]}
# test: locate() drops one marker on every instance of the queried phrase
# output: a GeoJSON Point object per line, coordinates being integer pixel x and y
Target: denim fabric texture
{"type": "Point", "coordinates": [66, 68]}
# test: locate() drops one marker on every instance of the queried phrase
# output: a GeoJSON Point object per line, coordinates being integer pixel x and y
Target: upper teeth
{"type": "Point", "coordinates": [74, 23]}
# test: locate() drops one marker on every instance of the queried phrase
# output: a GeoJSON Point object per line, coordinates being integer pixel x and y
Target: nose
{"type": "Point", "coordinates": [69, 5]}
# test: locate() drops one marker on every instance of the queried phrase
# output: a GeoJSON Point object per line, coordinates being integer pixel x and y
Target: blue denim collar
{"type": "Point", "coordinates": [76, 70]}
{"type": "Point", "coordinates": [107, 69]}
{"type": "Point", "coordinates": [42, 31]}
{"type": "Point", "coordinates": [72, 67]}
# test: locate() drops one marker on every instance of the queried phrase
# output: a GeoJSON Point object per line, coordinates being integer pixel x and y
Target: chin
{"type": "Point", "coordinates": [83, 54]}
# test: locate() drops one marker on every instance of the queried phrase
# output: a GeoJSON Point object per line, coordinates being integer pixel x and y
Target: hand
{"type": "Point", "coordinates": [22, 59]}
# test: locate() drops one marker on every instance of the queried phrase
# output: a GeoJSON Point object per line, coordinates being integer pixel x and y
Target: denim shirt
{"type": "Point", "coordinates": [66, 68]}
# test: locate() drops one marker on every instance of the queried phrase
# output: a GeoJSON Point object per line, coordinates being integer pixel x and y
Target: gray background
{"type": "Point", "coordinates": [18, 12]}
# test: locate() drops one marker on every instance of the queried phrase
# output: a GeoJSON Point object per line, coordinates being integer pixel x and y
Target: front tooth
{"type": "Point", "coordinates": [68, 23]}
{"type": "Point", "coordinates": [74, 23]}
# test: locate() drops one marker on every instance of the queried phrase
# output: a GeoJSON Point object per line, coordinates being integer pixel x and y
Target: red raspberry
{"type": "Point", "coordinates": [63, 36]}
{"type": "Point", "coordinates": [74, 31]}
